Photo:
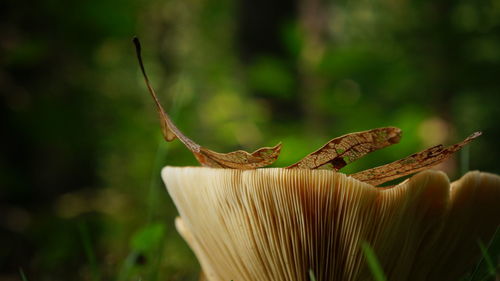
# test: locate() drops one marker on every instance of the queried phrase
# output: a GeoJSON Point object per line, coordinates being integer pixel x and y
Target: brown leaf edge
{"type": "Point", "coordinates": [414, 163]}
{"type": "Point", "coordinates": [237, 159]}
{"type": "Point", "coordinates": [340, 151]}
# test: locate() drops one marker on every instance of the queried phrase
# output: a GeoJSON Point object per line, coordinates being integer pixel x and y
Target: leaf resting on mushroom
{"type": "Point", "coordinates": [343, 150]}
{"type": "Point", "coordinates": [411, 164]}
{"type": "Point", "coordinates": [237, 159]}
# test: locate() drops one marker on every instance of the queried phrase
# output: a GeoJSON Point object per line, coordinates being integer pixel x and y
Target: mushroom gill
{"type": "Point", "coordinates": [276, 224]}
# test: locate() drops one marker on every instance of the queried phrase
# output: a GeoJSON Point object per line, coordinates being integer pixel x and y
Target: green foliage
{"type": "Point", "coordinates": [148, 238]}
{"type": "Point", "coordinates": [271, 76]}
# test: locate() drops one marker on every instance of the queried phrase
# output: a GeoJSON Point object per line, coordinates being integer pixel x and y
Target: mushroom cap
{"type": "Point", "coordinates": [276, 224]}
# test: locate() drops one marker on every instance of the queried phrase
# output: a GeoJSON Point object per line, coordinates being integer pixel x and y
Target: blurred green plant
{"type": "Point", "coordinates": [311, 275]}
{"type": "Point", "coordinates": [23, 276]}
{"type": "Point", "coordinates": [486, 268]}
{"type": "Point", "coordinates": [372, 261]}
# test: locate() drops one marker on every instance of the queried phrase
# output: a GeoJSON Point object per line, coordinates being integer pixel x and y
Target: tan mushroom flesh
{"type": "Point", "coordinates": [276, 224]}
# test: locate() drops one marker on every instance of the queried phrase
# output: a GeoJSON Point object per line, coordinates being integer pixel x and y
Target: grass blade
{"type": "Point", "coordinates": [487, 258]}
{"type": "Point", "coordinates": [485, 268]}
{"type": "Point", "coordinates": [154, 183]}
{"type": "Point", "coordinates": [373, 264]}
{"type": "Point", "coordinates": [89, 251]}
{"type": "Point", "coordinates": [311, 275]}
{"type": "Point", "coordinates": [23, 276]}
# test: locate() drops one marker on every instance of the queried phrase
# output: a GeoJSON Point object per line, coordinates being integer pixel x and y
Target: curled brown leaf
{"type": "Point", "coordinates": [343, 150]}
{"type": "Point", "coordinates": [237, 159]}
{"type": "Point", "coordinates": [411, 164]}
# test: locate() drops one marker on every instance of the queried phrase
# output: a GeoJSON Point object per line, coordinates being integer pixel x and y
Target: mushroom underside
{"type": "Point", "coordinates": [277, 224]}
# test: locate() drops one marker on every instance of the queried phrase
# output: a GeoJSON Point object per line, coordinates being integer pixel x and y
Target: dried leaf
{"type": "Point", "coordinates": [411, 164]}
{"type": "Point", "coordinates": [343, 150]}
{"type": "Point", "coordinates": [237, 159]}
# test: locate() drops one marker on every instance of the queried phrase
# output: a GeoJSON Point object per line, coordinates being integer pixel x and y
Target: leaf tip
{"type": "Point", "coordinates": [392, 135]}
{"type": "Point", "coordinates": [475, 135]}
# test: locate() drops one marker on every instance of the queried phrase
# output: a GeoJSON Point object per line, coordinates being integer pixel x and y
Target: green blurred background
{"type": "Point", "coordinates": [81, 152]}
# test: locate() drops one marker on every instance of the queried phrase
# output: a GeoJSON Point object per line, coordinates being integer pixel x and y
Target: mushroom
{"type": "Point", "coordinates": [276, 224]}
